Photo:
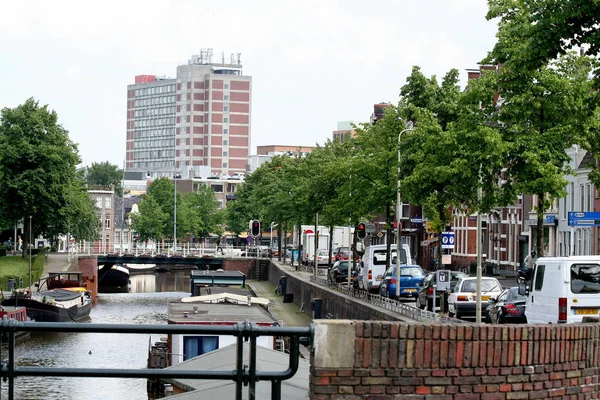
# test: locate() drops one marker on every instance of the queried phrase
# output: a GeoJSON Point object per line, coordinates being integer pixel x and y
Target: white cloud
{"type": "Point", "coordinates": [313, 62]}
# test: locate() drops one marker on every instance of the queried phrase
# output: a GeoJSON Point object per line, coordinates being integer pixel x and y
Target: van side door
{"type": "Point", "coordinates": [535, 308]}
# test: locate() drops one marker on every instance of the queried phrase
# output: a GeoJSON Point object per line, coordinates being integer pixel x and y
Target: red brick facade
{"type": "Point", "coordinates": [406, 361]}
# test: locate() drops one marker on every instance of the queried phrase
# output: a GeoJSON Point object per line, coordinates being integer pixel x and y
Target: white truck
{"type": "Point", "coordinates": [563, 290]}
{"type": "Point", "coordinates": [308, 246]}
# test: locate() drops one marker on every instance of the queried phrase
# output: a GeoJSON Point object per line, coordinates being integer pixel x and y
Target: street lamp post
{"type": "Point", "coordinates": [30, 236]}
{"type": "Point", "coordinates": [398, 222]}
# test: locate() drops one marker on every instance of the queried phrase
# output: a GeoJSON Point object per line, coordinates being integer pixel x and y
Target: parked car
{"type": "Point", "coordinates": [425, 294]}
{"type": "Point", "coordinates": [411, 277]}
{"type": "Point", "coordinates": [462, 302]}
{"type": "Point", "coordinates": [322, 258]}
{"type": "Point", "coordinates": [339, 272]}
{"type": "Point", "coordinates": [508, 308]}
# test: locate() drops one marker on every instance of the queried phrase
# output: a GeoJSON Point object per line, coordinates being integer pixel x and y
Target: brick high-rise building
{"type": "Point", "coordinates": [197, 124]}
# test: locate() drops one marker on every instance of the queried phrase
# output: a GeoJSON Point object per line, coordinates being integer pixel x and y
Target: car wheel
{"type": "Point", "coordinates": [456, 315]}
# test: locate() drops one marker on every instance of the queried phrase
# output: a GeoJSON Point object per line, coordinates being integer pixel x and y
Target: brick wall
{"type": "Point", "coordinates": [238, 264]}
{"type": "Point", "coordinates": [395, 360]}
{"type": "Point", "coordinates": [88, 266]}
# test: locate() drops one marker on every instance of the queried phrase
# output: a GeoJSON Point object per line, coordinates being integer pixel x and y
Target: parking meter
{"type": "Point", "coordinates": [443, 280]}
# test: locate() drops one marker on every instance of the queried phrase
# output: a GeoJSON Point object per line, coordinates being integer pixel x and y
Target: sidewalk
{"type": "Point", "coordinates": [56, 262]}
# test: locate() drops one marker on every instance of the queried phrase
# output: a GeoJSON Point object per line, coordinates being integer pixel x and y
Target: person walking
{"type": "Point", "coordinates": [20, 242]}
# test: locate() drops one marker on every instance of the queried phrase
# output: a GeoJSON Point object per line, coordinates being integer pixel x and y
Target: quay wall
{"type": "Point", "coordinates": [393, 360]}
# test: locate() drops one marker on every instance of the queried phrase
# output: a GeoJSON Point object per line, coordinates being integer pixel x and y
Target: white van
{"type": "Point", "coordinates": [373, 265]}
{"type": "Point", "coordinates": [563, 290]}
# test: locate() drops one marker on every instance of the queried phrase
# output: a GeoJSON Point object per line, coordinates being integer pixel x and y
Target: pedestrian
{"type": "Point", "coordinates": [530, 259]}
{"type": "Point", "coordinates": [9, 242]}
{"type": "Point", "coordinates": [20, 241]}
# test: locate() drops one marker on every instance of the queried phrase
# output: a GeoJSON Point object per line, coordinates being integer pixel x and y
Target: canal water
{"type": "Point", "coordinates": [146, 303]}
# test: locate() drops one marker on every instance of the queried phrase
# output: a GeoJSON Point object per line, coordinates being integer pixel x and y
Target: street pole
{"type": "Point", "coordinates": [398, 221]}
{"type": "Point", "coordinates": [175, 207]}
{"type": "Point", "coordinates": [479, 272]}
{"type": "Point", "coordinates": [30, 239]}
{"type": "Point", "coordinates": [122, 208]}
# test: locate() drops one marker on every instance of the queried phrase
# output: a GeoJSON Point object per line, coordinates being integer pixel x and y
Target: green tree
{"type": "Point", "coordinates": [200, 214]}
{"type": "Point", "coordinates": [531, 33]}
{"type": "Point", "coordinates": [150, 222]}
{"type": "Point", "coordinates": [106, 174]}
{"type": "Point", "coordinates": [38, 168]}
{"type": "Point", "coordinates": [540, 118]}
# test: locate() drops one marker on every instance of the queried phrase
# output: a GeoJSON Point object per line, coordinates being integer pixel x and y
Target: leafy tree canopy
{"type": "Point", "coordinates": [106, 174]}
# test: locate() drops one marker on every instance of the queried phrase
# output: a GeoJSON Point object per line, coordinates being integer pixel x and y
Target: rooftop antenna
{"type": "Point", "coordinates": [239, 57]}
{"type": "Point", "coordinates": [209, 56]}
{"type": "Point", "coordinates": [232, 59]}
{"type": "Point", "coordinates": [222, 57]}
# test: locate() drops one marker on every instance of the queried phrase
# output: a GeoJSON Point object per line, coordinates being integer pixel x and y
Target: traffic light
{"type": "Point", "coordinates": [362, 230]}
{"type": "Point", "coordinates": [255, 228]}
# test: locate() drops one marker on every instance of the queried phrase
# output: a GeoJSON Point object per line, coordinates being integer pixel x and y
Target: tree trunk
{"type": "Point", "coordinates": [539, 240]}
{"type": "Point", "coordinates": [330, 245]}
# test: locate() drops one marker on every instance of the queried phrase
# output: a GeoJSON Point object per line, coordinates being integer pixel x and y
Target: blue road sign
{"type": "Point", "coordinates": [447, 240]}
{"type": "Point", "coordinates": [584, 218]}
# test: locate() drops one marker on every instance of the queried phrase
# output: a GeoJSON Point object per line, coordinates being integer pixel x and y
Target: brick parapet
{"type": "Point", "coordinates": [395, 360]}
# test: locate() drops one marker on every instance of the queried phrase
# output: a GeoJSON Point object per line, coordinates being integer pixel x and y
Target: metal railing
{"type": "Point", "coordinates": [151, 248]}
{"type": "Point", "coordinates": [245, 373]}
{"type": "Point", "coordinates": [392, 305]}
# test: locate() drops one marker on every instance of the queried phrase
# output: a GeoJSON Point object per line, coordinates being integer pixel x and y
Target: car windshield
{"type": "Point", "coordinates": [513, 295]}
{"type": "Point", "coordinates": [413, 271]}
{"type": "Point", "coordinates": [486, 285]}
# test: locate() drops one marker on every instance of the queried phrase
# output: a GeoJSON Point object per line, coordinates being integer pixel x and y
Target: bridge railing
{"type": "Point", "coordinates": [245, 373]}
{"type": "Point", "coordinates": [150, 248]}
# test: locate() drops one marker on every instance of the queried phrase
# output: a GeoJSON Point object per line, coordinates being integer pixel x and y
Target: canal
{"type": "Point", "coordinates": [146, 303]}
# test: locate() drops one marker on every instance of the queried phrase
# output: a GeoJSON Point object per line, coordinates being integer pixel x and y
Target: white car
{"type": "Point", "coordinates": [322, 257]}
{"type": "Point", "coordinates": [462, 302]}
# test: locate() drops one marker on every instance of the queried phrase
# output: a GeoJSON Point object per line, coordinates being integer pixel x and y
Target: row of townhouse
{"type": "Point", "coordinates": [509, 233]}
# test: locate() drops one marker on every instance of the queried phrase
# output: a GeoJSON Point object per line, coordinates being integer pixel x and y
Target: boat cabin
{"type": "Point", "coordinates": [61, 280]}
{"type": "Point", "coordinates": [214, 309]}
{"type": "Point", "coordinates": [17, 313]}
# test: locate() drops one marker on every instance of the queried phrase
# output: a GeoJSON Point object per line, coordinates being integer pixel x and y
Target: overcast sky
{"type": "Point", "coordinates": [313, 63]}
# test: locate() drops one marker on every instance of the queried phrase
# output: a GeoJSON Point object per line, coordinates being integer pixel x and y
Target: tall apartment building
{"type": "Point", "coordinates": [197, 124]}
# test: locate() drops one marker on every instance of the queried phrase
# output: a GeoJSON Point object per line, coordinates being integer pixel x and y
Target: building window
{"type": "Point", "coordinates": [226, 109]}
{"type": "Point", "coordinates": [194, 346]}
{"type": "Point", "coordinates": [227, 86]}
{"type": "Point", "coordinates": [217, 188]}
{"type": "Point", "coordinates": [225, 120]}
{"type": "Point", "coordinates": [107, 223]}
{"type": "Point", "coordinates": [99, 202]}
{"type": "Point", "coordinates": [225, 131]}
{"type": "Point", "coordinates": [225, 153]}
{"type": "Point", "coordinates": [225, 142]}
{"type": "Point", "coordinates": [226, 97]}
{"type": "Point", "coordinates": [224, 165]}
{"type": "Point", "coordinates": [107, 202]}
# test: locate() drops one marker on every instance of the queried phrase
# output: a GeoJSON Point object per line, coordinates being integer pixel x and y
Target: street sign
{"type": "Point", "coordinates": [447, 240]}
{"type": "Point", "coordinates": [584, 218]}
{"type": "Point", "coordinates": [370, 229]}
{"type": "Point", "coordinates": [416, 220]}
{"type": "Point", "coordinates": [379, 235]}
{"type": "Point", "coordinates": [443, 280]}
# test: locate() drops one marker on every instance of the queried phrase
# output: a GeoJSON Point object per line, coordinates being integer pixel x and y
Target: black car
{"type": "Point", "coordinates": [425, 296]}
{"type": "Point", "coordinates": [339, 272]}
{"type": "Point", "coordinates": [507, 308]}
